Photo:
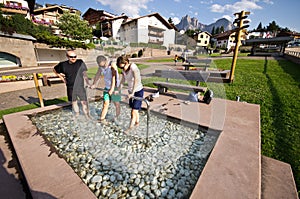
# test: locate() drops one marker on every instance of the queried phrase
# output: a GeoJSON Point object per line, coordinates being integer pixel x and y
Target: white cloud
{"type": "Point", "coordinates": [246, 5]}
{"type": "Point", "coordinates": [217, 8]}
{"type": "Point", "coordinates": [268, 2]}
{"type": "Point", "coordinates": [228, 17]}
{"type": "Point", "coordinates": [178, 1]}
{"type": "Point", "coordinates": [175, 20]}
{"type": "Point", "coordinates": [130, 7]}
{"type": "Point", "coordinates": [206, 2]}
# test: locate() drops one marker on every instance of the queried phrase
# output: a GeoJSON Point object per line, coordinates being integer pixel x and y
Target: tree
{"type": "Point", "coordinates": [97, 32]}
{"type": "Point", "coordinates": [213, 31]}
{"type": "Point", "coordinates": [222, 29]}
{"type": "Point", "coordinates": [190, 32]}
{"type": "Point", "coordinates": [22, 25]}
{"type": "Point", "coordinates": [218, 30]}
{"type": "Point", "coordinates": [259, 27]}
{"type": "Point", "coordinates": [273, 27]}
{"type": "Point", "coordinates": [73, 27]}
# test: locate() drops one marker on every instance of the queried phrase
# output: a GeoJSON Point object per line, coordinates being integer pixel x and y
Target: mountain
{"type": "Point", "coordinates": [187, 22]}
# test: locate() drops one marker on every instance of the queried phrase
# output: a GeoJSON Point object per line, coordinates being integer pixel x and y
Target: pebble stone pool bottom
{"type": "Point", "coordinates": [115, 165]}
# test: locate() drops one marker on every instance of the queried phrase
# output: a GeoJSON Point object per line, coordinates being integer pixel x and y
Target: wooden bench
{"type": "Point", "coordinates": [219, 76]}
{"type": "Point", "coordinates": [197, 63]}
{"type": "Point", "coordinates": [198, 76]}
{"type": "Point", "coordinates": [49, 79]}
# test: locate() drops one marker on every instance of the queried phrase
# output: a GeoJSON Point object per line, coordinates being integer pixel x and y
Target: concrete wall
{"type": "Point", "coordinates": [23, 49]}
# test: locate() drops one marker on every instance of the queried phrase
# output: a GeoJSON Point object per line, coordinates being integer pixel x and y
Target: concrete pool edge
{"type": "Point", "coordinates": [237, 173]}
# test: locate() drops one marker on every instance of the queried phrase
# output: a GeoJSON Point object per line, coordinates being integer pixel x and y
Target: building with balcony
{"type": "Point", "coordinates": [226, 40]}
{"type": "Point", "coordinates": [15, 7]}
{"type": "Point", "coordinates": [49, 15]}
{"type": "Point", "coordinates": [95, 17]}
{"type": "Point", "coordinates": [202, 38]}
{"type": "Point", "coordinates": [151, 29]}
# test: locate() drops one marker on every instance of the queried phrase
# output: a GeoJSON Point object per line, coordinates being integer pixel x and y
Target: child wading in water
{"type": "Point", "coordinates": [112, 82]}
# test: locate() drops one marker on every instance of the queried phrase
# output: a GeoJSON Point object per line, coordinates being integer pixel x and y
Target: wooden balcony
{"type": "Point", "coordinates": [14, 10]}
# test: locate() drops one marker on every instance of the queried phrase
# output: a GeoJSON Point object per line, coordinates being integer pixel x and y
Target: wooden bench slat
{"type": "Point", "coordinates": [180, 86]}
{"type": "Point", "coordinates": [200, 76]}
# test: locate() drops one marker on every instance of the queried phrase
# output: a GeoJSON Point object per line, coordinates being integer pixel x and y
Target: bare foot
{"type": "Point", "coordinates": [126, 132]}
{"type": "Point", "coordinates": [103, 121]}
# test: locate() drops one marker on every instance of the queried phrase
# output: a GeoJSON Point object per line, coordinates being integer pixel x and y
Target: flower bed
{"type": "Point", "coordinates": [7, 78]}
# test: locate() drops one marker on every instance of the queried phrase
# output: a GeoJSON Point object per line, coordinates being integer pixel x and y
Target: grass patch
{"type": "Point", "coordinates": [32, 106]}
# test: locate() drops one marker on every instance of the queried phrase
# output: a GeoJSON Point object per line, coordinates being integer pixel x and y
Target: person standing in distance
{"type": "Point", "coordinates": [111, 79]}
{"type": "Point", "coordinates": [131, 74]}
{"type": "Point", "coordinates": [73, 73]}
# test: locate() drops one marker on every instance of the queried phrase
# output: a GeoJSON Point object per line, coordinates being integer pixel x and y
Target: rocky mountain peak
{"type": "Point", "coordinates": [193, 23]}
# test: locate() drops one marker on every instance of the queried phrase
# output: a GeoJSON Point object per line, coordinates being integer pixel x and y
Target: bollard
{"type": "Point", "coordinates": [38, 90]}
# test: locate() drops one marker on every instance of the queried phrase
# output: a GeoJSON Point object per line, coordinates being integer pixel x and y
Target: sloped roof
{"type": "Point", "coordinates": [102, 12]}
{"type": "Point", "coordinates": [55, 6]}
{"type": "Point", "coordinates": [157, 15]}
{"type": "Point", "coordinates": [225, 34]}
{"type": "Point", "coordinates": [18, 36]}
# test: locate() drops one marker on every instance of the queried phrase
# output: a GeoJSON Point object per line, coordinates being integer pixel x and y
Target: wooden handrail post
{"type": "Point", "coordinates": [38, 90]}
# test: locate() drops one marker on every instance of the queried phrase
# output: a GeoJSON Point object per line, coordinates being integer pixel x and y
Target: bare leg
{"type": "Point", "coordinates": [118, 109]}
{"type": "Point", "coordinates": [85, 109]}
{"type": "Point", "coordinates": [104, 109]}
{"type": "Point", "coordinates": [137, 116]}
{"type": "Point", "coordinates": [134, 118]}
{"type": "Point", "coordinates": [75, 108]}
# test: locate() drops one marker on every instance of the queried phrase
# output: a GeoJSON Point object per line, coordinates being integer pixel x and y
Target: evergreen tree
{"type": "Point", "coordinates": [213, 31]}
{"type": "Point", "coordinates": [222, 29]}
{"type": "Point", "coordinates": [259, 27]}
{"type": "Point", "coordinates": [273, 27]}
{"type": "Point", "coordinates": [217, 30]}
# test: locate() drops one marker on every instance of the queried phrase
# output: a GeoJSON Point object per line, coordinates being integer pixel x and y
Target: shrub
{"type": "Point", "coordinates": [140, 53]}
{"type": "Point", "coordinates": [134, 55]}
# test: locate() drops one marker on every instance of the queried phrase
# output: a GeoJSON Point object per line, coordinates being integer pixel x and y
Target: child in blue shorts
{"type": "Point", "coordinates": [131, 74]}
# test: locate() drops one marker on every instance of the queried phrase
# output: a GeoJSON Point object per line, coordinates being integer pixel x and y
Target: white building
{"type": "Point", "coordinates": [152, 29]}
{"type": "Point", "coordinates": [202, 38]}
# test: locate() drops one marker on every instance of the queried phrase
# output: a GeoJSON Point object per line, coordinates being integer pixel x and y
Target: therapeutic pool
{"type": "Point", "coordinates": [116, 165]}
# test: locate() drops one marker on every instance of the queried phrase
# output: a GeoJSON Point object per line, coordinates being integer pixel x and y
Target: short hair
{"type": "Point", "coordinates": [100, 59]}
{"type": "Point", "coordinates": [122, 60]}
{"type": "Point", "coordinates": [69, 50]}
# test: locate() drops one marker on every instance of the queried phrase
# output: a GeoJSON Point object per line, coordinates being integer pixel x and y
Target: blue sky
{"type": "Point", "coordinates": [283, 12]}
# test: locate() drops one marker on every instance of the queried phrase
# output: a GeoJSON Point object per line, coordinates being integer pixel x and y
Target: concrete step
{"type": "Point", "coordinates": [277, 180]}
